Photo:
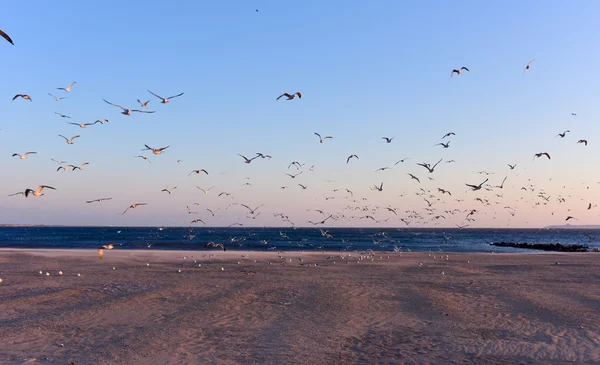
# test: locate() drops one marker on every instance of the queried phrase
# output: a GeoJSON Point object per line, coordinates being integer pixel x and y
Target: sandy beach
{"type": "Point", "coordinates": [388, 309]}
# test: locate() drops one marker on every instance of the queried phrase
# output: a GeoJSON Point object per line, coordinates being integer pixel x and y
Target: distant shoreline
{"type": "Point", "coordinates": [562, 227]}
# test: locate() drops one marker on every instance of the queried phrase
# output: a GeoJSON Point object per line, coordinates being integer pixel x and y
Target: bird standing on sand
{"type": "Point", "coordinates": [290, 96]}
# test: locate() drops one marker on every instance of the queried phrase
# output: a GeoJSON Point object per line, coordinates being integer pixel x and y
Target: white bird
{"type": "Point", "coordinates": [24, 96]}
{"type": "Point", "coordinates": [144, 157]}
{"type": "Point", "coordinates": [80, 167]}
{"type": "Point", "coordinates": [198, 171]}
{"type": "Point", "coordinates": [110, 246]}
{"type": "Point", "coordinates": [23, 156]}
{"type": "Point", "coordinates": [458, 71]}
{"type": "Point", "coordinates": [133, 206]}
{"type": "Point", "coordinates": [68, 88]}
{"type": "Point", "coordinates": [322, 139]}
{"type": "Point", "coordinates": [164, 100]}
{"type": "Point", "coordinates": [143, 104]}
{"type": "Point", "coordinates": [62, 115]}
{"type": "Point", "coordinates": [97, 200]}
{"type": "Point", "coordinates": [81, 125]}
{"type": "Point", "coordinates": [37, 192]}
{"type": "Point", "coordinates": [169, 190]}
{"type": "Point", "coordinates": [56, 97]}
{"type": "Point", "coordinates": [205, 191]}
{"type": "Point", "coordinates": [69, 141]}
{"type": "Point", "coordinates": [126, 111]}
{"type": "Point", "coordinates": [156, 151]}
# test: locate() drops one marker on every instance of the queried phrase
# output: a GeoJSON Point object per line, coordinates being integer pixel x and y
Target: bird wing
{"type": "Point", "coordinates": [464, 68]}
{"type": "Point", "coordinates": [158, 96]}
{"type": "Point", "coordinates": [5, 36]}
{"type": "Point", "coordinates": [318, 135]}
{"type": "Point", "coordinates": [143, 111]}
{"type": "Point", "coordinates": [284, 94]}
{"type": "Point", "coordinates": [174, 96]}
{"type": "Point", "coordinates": [118, 106]}
{"type": "Point", "coordinates": [66, 139]}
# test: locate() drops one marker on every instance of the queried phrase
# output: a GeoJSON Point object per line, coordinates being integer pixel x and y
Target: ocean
{"type": "Point", "coordinates": [263, 239]}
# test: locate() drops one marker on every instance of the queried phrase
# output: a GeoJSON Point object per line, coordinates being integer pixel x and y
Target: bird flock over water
{"type": "Point", "coordinates": [357, 209]}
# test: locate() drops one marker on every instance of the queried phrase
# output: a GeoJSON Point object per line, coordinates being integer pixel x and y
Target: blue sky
{"type": "Point", "coordinates": [366, 70]}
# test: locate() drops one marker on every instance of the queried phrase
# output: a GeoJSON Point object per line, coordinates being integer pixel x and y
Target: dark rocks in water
{"type": "Point", "coordinates": [543, 246]}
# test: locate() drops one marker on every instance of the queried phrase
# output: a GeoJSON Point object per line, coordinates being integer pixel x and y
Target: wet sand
{"type": "Point", "coordinates": [497, 309]}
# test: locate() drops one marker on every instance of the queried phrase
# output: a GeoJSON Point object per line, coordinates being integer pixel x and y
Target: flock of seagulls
{"type": "Point", "coordinates": [356, 207]}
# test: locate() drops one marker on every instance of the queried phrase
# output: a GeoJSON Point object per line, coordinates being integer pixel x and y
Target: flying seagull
{"type": "Point", "coordinates": [198, 171]}
{"type": "Point", "coordinates": [163, 100]}
{"type": "Point", "coordinates": [387, 139]}
{"type": "Point", "coordinates": [97, 200]}
{"type": "Point", "coordinates": [584, 141]}
{"type": "Point", "coordinates": [5, 36]}
{"type": "Point", "coordinates": [458, 71]}
{"type": "Point", "coordinates": [81, 125]}
{"type": "Point", "coordinates": [133, 206]}
{"type": "Point", "coordinates": [68, 88]}
{"type": "Point", "coordinates": [169, 190]}
{"type": "Point", "coordinates": [23, 156]}
{"type": "Point", "coordinates": [80, 167]}
{"type": "Point", "coordinates": [542, 154]}
{"type": "Point", "coordinates": [214, 244]}
{"type": "Point", "coordinates": [37, 192]}
{"type": "Point", "coordinates": [24, 96]}
{"type": "Point", "coordinates": [128, 111]}
{"type": "Point", "coordinates": [477, 187]}
{"type": "Point", "coordinates": [290, 96]}
{"type": "Point", "coordinates": [143, 104]}
{"type": "Point", "coordinates": [246, 159]}
{"type": "Point", "coordinates": [445, 145]}
{"type": "Point", "coordinates": [502, 185]}
{"type": "Point", "coordinates": [448, 135]}
{"type": "Point", "coordinates": [414, 178]}
{"type": "Point", "coordinates": [322, 139]}
{"type": "Point", "coordinates": [62, 115]}
{"type": "Point", "coordinates": [156, 151]}
{"type": "Point", "coordinates": [69, 141]}
{"type": "Point", "coordinates": [349, 157]}
{"type": "Point", "coordinates": [528, 66]}
{"type": "Point", "coordinates": [110, 246]}
{"type": "Point", "coordinates": [56, 97]}
{"type": "Point", "coordinates": [205, 191]}
{"type": "Point", "coordinates": [512, 167]}
{"type": "Point", "coordinates": [427, 166]}
{"type": "Point", "coordinates": [563, 134]}
{"type": "Point", "coordinates": [144, 157]}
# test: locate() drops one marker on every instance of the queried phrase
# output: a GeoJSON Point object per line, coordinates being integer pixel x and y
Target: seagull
{"type": "Point", "coordinates": [459, 71]}
{"type": "Point", "coordinates": [322, 139]}
{"type": "Point", "coordinates": [37, 192]}
{"type": "Point", "coordinates": [262, 156]}
{"type": "Point", "coordinates": [56, 97]}
{"type": "Point", "coordinates": [383, 169]}
{"type": "Point", "coordinates": [448, 135]}
{"type": "Point", "coordinates": [144, 157]}
{"type": "Point", "coordinates": [252, 211]}
{"type": "Point", "coordinates": [198, 171]}
{"type": "Point", "coordinates": [430, 169]}
{"type": "Point", "coordinates": [23, 156]}
{"type": "Point", "coordinates": [163, 100]}
{"type": "Point", "coordinates": [5, 36]}
{"type": "Point", "coordinates": [63, 115]}
{"type": "Point", "coordinates": [58, 162]}
{"type": "Point", "coordinates": [445, 145]}
{"type": "Point", "coordinates": [97, 200]}
{"type": "Point", "coordinates": [502, 185]}
{"type": "Point", "coordinates": [302, 186]}
{"type": "Point", "coordinates": [563, 134]}
{"type": "Point", "coordinates": [169, 190]}
{"type": "Point", "coordinates": [584, 141]}
{"type": "Point", "coordinates": [387, 139]}
{"type": "Point", "coordinates": [68, 88]}
{"type": "Point", "coordinates": [197, 221]}
{"type": "Point", "coordinates": [80, 167]}
{"type": "Point", "coordinates": [205, 191]}
{"type": "Point", "coordinates": [378, 188]}
{"type": "Point", "coordinates": [156, 151]}
{"type": "Point", "coordinates": [542, 154]}
{"type": "Point", "coordinates": [65, 168]}
{"type": "Point", "coordinates": [143, 104]}
{"type": "Point", "coordinates": [110, 246]}
{"type": "Point", "coordinates": [477, 187]}
{"type": "Point", "coordinates": [570, 217]}
{"type": "Point", "coordinates": [290, 97]}
{"type": "Point", "coordinates": [349, 157]}
{"type": "Point", "coordinates": [69, 141]}
{"type": "Point", "coordinates": [24, 96]}
{"type": "Point", "coordinates": [213, 244]}
{"type": "Point", "coordinates": [404, 159]}
{"type": "Point", "coordinates": [574, 114]}
{"type": "Point", "coordinates": [512, 167]}
{"type": "Point", "coordinates": [81, 125]}
{"type": "Point", "coordinates": [294, 176]}
{"type": "Point", "coordinates": [133, 206]}
{"type": "Point", "coordinates": [414, 178]}
{"type": "Point", "coordinates": [103, 121]}
{"type": "Point", "coordinates": [246, 159]}
{"type": "Point", "coordinates": [528, 65]}
{"type": "Point", "coordinates": [128, 111]}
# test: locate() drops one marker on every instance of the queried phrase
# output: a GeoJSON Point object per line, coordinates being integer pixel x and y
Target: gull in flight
{"type": "Point", "coordinates": [349, 157]}
{"type": "Point", "coordinates": [458, 71]}
{"type": "Point", "coordinates": [445, 145]}
{"type": "Point", "coordinates": [414, 178]}
{"type": "Point", "coordinates": [5, 36]}
{"type": "Point", "coordinates": [448, 135]}
{"type": "Point", "coordinates": [63, 115]}
{"type": "Point", "coordinates": [144, 157]}
{"type": "Point", "coordinates": [477, 187]}
{"type": "Point", "coordinates": [24, 96]}
{"type": "Point", "coordinates": [69, 141]}
{"type": "Point", "coordinates": [290, 96]}
{"type": "Point", "coordinates": [197, 221]}
{"type": "Point", "coordinates": [404, 159]}
{"type": "Point", "coordinates": [163, 100]}
{"type": "Point", "coordinates": [128, 111]}
{"type": "Point", "coordinates": [56, 97]}
{"type": "Point", "coordinates": [80, 167]}
{"type": "Point", "coordinates": [68, 88]}
{"type": "Point", "coordinates": [294, 176]}
{"type": "Point", "coordinates": [570, 217]}
{"type": "Point", "coordinates": [65, 168]}
{"type": "Point", "coordinates": [542, 154]}
{"type": "Point", "coordinates": [103, 121]}
{"type": "Point", "coordinates": [248, 160]}
{"type": "Point", "coordinates": [378, 188]}
{"type": "Point", "coordinates": [582, 141]}
{"type": "Point", "coordinates": [322, 139]}
{"type": "Point", "coordinates": [110, 246]}
{"type": "Point", "coordinates": [502, 185]}
{"type": "Point", "coordinates": [213, 244]}
{"type": "Point", "coordinates": [427, 166]}
{"type": "Point", "coordinates": [133, 206]}
{"type": "Point", "coordinates": [23, 156]}
{"type": "Point", "coordinates": [143, 104]}
{"type": "Point", "coordinates": [528, 66]}
{"type": "Point", "coordinates": [563, 134]}
{"type": "Point", "coordinates": [58, 162]}
{"type": "Point", "coordinates": [383, 169]}
{"type": "Point", "coordinates": [302, 186]}
{"type": "Point", "coordinates": [37, 192]}
{"type": "Point", "coordinates": [198, 171]}
{"type": "Point", "coordinates": [156, 151]}
{"type": "Point", "coordinates": [97, 200]}
{"type": "Point", "coordinates": [205, 191]}
{"type": "Point", "coordinates": [512, 167]}
{"type": "Point", "coordinates": [169, 190]}
{"type": "Point", "coordinates": [83, 125]}
{"type": "Point", "coordinates": [252, 211]}
{"type": "Point", "coordinates": [263, 156]}
{"type": "Point", "coordinates": [387, 139]}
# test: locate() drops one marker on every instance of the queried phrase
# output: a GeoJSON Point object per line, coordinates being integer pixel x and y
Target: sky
{"type": "Point", "coordinates": [366, 70]}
